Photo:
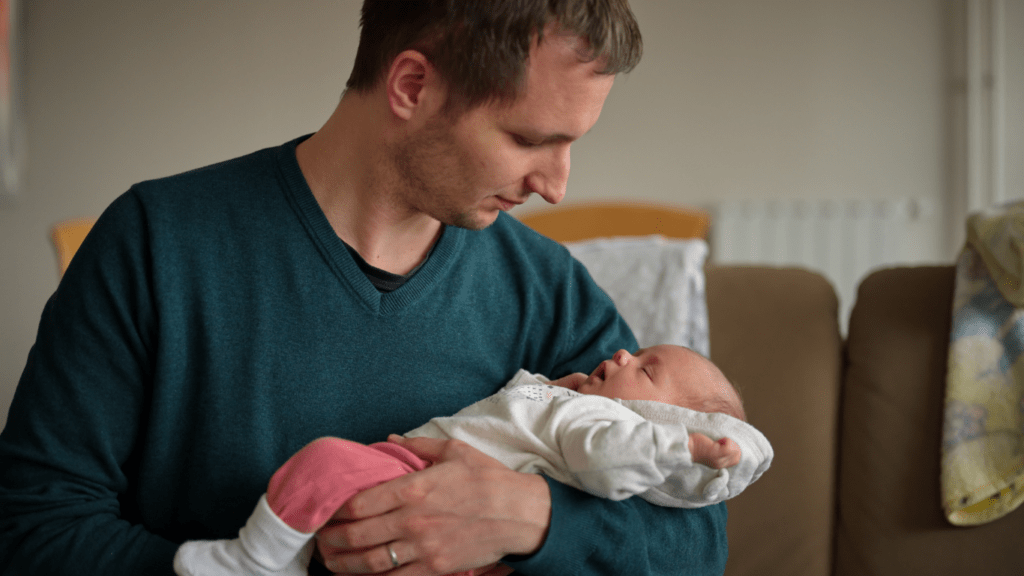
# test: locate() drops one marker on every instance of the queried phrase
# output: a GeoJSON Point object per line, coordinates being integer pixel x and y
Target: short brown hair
{"type": "Point", "coordinates": [480, 47]}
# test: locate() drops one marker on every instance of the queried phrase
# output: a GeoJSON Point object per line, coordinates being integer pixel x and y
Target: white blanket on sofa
{"type": "Point", "coordinates": [656, 283]}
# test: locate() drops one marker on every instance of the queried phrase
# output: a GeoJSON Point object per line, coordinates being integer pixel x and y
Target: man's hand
{"type": "Point", "coordinates": [466, 511]}
{"type": "Point", "coordinates": [572, 381]}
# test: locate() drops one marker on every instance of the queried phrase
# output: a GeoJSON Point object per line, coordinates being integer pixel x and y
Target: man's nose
{"type": "Point", "coordinates": [551, 180]}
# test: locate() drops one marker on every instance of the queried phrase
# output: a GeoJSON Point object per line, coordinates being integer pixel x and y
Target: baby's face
{"type": "Point", "coordinates": [663, 373]}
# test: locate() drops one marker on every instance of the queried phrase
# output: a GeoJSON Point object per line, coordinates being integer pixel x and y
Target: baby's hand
{"type": "Point", "coordinates": [572, 381]}
{"type": "Point", "coordinates": [721, 454]}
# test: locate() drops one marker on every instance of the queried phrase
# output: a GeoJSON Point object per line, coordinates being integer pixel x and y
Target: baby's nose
{"type": "Point", "coordinates": [622, 357]}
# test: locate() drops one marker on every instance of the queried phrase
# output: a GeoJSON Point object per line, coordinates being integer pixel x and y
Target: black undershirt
{"type": "Point", "coordinates": [382, 280]}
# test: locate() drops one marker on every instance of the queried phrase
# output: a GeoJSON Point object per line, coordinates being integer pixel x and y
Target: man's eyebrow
{"type": "Point", "coordinates": [569, 137]}
{"type": "Point", "coordinates": [560, 138]}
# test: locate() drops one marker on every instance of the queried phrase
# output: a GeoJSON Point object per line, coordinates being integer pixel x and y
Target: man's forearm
{"type": "Point", "coordinates": [598, 537]}
{"type": "Point", "coordinates": [97, 545]}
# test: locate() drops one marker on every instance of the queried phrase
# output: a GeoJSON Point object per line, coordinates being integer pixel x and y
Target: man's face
{"type": "Point", "coordinates": [463, 171]}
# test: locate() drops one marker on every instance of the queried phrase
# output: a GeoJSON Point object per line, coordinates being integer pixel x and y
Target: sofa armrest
{"type": "Point", "coordinates": [775, 333]}
{"type": "Point", "coordinates": [890, 517]}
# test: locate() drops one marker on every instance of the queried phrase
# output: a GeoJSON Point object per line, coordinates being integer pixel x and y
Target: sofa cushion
{"type": "Point", "coordinates": [890, 518]}
{"type": "Point", "coordinates": [775, 334]}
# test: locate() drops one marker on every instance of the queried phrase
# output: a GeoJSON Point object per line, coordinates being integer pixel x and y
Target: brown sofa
{"type": "Point", "coordinates": [856, 424]}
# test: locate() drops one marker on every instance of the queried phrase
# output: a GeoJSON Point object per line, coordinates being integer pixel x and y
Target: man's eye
{"type": "Point", "coordinates": [525, 142]}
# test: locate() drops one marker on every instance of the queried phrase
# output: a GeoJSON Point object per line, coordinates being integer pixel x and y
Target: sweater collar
{"type": "Point", "coordinates": [337, 256]}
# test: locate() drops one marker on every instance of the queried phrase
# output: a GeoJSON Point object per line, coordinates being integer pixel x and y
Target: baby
{"type": "Point", "coordinates": [664, 424]}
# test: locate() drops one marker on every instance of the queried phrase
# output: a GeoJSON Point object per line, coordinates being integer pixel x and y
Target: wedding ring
{"type": "Point", "coordinates": [394, 557]}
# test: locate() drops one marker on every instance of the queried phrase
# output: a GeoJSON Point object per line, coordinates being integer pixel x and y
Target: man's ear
{"type": "Point", "coordinates": [413, 85]}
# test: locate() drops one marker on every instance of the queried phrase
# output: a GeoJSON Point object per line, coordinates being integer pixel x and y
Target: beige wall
{"type": "Point", "coordinates": [806, 98]}
{"type": "Point", "coordinates": [1014, 95]}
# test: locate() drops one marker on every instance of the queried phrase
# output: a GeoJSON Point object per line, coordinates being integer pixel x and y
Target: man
{"type": "Point", "coordinates": [215, 322]}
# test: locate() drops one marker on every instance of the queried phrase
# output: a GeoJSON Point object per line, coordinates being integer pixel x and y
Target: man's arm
{"type": "Point", "coordinates": [72, 425]}
{"type": "Point", "coordinates": [448, 522]}
{"type": "Point", "coordinates": [594, 536]}
{"type": "Point", "coordinates": [449, 507]}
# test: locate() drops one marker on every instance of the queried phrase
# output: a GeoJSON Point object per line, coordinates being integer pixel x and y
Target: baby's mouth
{"type": "Point", "coordinates": [598, 373]}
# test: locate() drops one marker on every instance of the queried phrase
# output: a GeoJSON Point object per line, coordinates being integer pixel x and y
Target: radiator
{"type": "Point", "coordinates": [843, 240]}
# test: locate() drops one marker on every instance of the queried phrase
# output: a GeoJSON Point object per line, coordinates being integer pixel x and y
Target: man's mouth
{"type": "Point", "coordinates": [506, 204]}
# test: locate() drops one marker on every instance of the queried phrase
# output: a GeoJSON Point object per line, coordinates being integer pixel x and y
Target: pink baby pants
{"type": "Point", "coordinates": [310, 487]}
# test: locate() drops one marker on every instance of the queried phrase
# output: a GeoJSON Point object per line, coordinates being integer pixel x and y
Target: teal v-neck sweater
{"type": "Point", "coordinates": [212, 324]}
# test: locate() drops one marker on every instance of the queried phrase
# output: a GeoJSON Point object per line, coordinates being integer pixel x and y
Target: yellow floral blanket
{"type": "Point", "coordinates": [982, 475]}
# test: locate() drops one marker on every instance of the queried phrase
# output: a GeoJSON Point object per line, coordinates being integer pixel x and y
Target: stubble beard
{"type": "Point", "coordinates": [430, 169]}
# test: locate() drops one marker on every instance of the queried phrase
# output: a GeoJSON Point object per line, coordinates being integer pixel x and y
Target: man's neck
{"type": "Point", "coordinates": [346, 167]}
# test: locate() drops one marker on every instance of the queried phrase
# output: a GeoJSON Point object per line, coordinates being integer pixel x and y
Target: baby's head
{"type": "Point", "coordinates": [669, 374]}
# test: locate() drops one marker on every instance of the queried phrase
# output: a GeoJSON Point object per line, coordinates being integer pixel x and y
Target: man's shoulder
{"type": "Point", "coordinates": [513, 235]}
{"type": "Point", "coordinates": [509, 248]}
{"type": "Point", "coordinates": [246, 195]}
{"type": "Point", "coordinates": [236, 172]}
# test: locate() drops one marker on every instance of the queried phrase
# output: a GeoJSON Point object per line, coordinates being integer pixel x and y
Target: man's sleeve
{"type": "Point", "coordinates": [595, 536]}
{"type": "Point", "coordinates": [76, 417]}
